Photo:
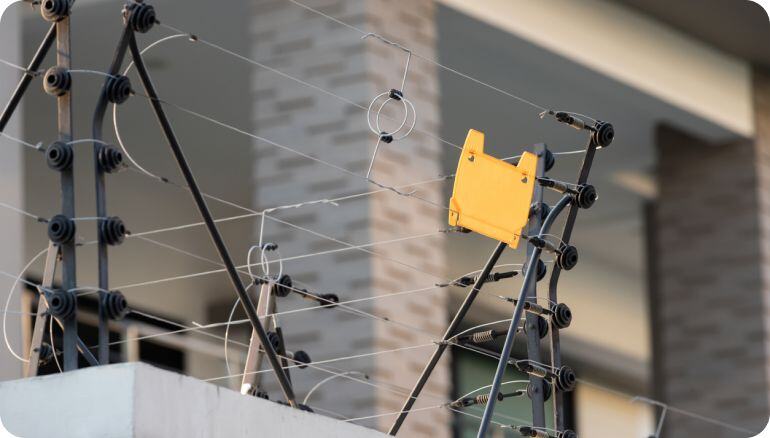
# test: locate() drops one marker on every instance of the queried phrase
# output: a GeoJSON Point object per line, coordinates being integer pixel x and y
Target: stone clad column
{"type": "Point", "coordinates": [333, 57]}
{"type": "Point", "coordinates": [709, 283]}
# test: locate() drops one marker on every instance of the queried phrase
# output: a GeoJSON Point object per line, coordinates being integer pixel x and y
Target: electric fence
{"type": "Point", "coordinates": [546, 381]}
{"type": "Point", "coordinates": [59, 304]}
{"type": "Point", "coordinates": [507, 208]}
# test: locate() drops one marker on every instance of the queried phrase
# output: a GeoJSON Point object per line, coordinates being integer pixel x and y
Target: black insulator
{"type": "Point", "coordinates": [283, 286]}
{"type": "Point", "coordinates": [537, 242]}
{"type": "Point", "coordinates": [542, 327]}
{"type": "Point", "coordinates": [561, 316]}
{"type": "Point", "coordinates": [568, 257]}
{"type": "Point", "coordinates": [61, 229]}
{"type": "Point", "coordinates": [541, 209]}
{"type": "Point", "coordinates": [112, 230]}
{"type": "Point", "coordinates": [109, 158]}
{"type": "Point", "coordinates": [396, 94]}
{"type": "Point", "coordinates": [261, 393]}
{"type": "Point", "coordinates": [57, 81]}
{"type": "Point", "coordinates": [140, 17]}
{"type": "Point", "coordinates": [497, 276]}
{"type": "Point", "coordinates": [542, 270]}
{"type": "Point", "coordinates": [557, 186]}
{"type": "Point", "coordinates": [533, 307]}
{"type": "Point", "coordinates": [45, 353]}
{"type": "Point", "coordinates": [61, 304]}
{"type": "Point", "coordinates": [569, 119]}
{"type": "Point", "coordinates": [568, 434]}
{"type": "Point", "coordinates": [303, 407]}
{"type": "Point", "coordinates": [269, 246]}
{"type": "Point", "coordinates": [59, 156]}
{"type": "Point", "coordinates": [566, 380]}
{"type": "Point", "coordinates": [275, 340]}
{"type": "Point", "coordinates": [586, 196]}
{"type": "Point", "coordinates": [328, 300]}
{"type": "Point", "coordinates": [55, 10]}
{"type": "Point", "coordinates": [603, 134]}
{"type": "Point", "coordinates": [302, 359]}
{"type": "Point", "coordinates": [544, 387]}
{"type": "Point", "coordinates": [115, 305]}
{"type": "Point", "coordinates": [118, 89]}
{"type": "Point", "coordinates": [385, 137]}
{"type": "Point", "coordinates": [550, 160]}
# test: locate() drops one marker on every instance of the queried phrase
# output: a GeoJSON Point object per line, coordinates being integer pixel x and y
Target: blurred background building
{"type": "Point", "coordinates": [672, 293]}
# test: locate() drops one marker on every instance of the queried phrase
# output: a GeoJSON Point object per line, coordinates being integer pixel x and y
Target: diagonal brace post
{"type": "Point", "coordinates": [224, 254]}
{"type": "Point", "coordinates": [21, 87]}
{"type": "Point", "coordinates": [449, 334]}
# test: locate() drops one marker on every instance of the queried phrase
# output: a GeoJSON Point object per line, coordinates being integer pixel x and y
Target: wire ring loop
{"type": "Point", "coordinates": [373, 118]}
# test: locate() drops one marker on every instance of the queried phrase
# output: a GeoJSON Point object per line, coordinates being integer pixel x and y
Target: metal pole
{"type": "Point", "coordinates": [508, 346]}
{"type": "Point", "coordinates": [64, 109]}
{"type": "Point", "coordinates": [449, 334]}
{"type": "Point", "coordinates": [101, 201]}
{"type": "Point", "coordinates": [556, 360]}
{"type": "Point", "coordinates": [224, 254]}
{"type": "Point", "coordinates": [33, 66]}
{"type": "Point", "coordinates": [532, 322]}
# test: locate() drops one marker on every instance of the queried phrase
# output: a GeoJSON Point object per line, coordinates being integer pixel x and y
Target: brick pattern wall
{"type": "Point", "coordinates": [334, 57]}
{"type": "Point", "coordinates": [710, 320]}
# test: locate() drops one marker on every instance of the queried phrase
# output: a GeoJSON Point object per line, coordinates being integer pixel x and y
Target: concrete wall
{"type": "Point", "coordinates": [148, 402]}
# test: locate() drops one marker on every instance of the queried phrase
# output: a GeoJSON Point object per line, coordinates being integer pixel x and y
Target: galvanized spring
{"type": "Point", "coordinates": [483, 399]}
{"type": "Point", "coordinates": [482, 337]}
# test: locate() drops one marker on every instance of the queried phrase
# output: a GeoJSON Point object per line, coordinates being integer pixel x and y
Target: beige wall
{"type": "Point", "coordinates": [602, 414]}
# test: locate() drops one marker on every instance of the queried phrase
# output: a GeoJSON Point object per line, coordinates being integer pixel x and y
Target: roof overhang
{"type": "Point", "coordinates": [635, 49]}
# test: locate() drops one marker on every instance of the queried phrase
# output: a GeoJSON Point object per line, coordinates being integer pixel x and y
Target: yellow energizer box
{"type": "Point", "coordinates": [490, 196]}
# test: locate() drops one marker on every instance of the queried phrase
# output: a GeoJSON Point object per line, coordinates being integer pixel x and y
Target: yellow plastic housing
{"type": "Point", "coordinates": [490, 196]}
